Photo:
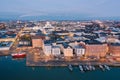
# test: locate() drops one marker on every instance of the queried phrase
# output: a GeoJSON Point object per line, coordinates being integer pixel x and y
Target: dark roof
{"type": "Point", "coordinates": [65, 45]}
{"type": "Point", "coordinates": [48, 41]}
{"type": "Point", "coordinates": [61, 31]}
{"type": "Point", "coordinates": [38, 37]}
{"type": "Point", "coordinates": [115, 44]}
{"type": "Point", "coordinates": [92, 42]}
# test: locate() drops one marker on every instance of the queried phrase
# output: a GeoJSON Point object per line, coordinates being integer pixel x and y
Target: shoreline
{"type": "Point", "coordinates": [34, 62]}
{"type": "Point", "coordinates": [66, 63]}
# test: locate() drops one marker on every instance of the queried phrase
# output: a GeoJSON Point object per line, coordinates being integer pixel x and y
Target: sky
{"type": "Point", "coordinates": [84, 8]}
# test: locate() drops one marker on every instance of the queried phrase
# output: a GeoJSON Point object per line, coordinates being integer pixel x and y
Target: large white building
{"type": "Point", "coordinates": [79, 50]}
{"type": "Point", "coordinates": [47, 49]}
{"type": "Point", "coordinates": [56, 50]}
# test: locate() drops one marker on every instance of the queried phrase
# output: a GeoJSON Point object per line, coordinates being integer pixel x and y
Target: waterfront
{"type": "Point", "coordinates": [17, 70]}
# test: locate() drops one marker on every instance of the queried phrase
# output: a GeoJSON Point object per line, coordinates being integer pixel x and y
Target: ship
{"type": "Point", "coordinates": [18, 55]}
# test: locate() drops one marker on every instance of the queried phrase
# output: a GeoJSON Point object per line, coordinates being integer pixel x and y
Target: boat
{"type": "Point", "coordinates": [90, 67]}
{"type": "Point", "coordinates": [107, 67]}
{"type": "Point", "coordinates": [18, 55]}
{"type": "Point", "coordinates": [81, 68]}
{"type": "Point", "coordinates": [70, 67]}
{"type": "Point", "coordinates": [101, 67]}
{"type": "Point", "coordinates": [87, 67]}
{"type": "Point", "coordinates": [84, 67]}
{"type": "Point", "coordinates": [93, 67]}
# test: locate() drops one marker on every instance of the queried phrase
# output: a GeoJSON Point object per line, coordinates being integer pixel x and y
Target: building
{"type": "Point", "coordinates": [67, 50]}
{"type": "Point", "coordinates": [79, 50]}
{"type": "Point", "coordinates": [47, 49]}
{"type": "Point", "coordinates": [37, 41]}
{"type": "Point", "coordinates": [95, 49]}
{"type": "Point", "coordinates": [5, 45]}
{"type": "Point", "coordinates": [56, 50]}
{"type": "Point", "coordinates": [114, 49]}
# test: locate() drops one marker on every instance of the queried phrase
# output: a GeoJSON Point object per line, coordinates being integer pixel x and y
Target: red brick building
{"type": "Point", "coordinates": [114, 49]}
{"type": "Point", "coordinates": [37, 41]}
{"type": "Point", "coordinates": [96, 50]}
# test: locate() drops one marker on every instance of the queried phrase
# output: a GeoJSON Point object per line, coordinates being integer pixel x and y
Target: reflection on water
{"type": "Point", "coordinates": [11, 69]}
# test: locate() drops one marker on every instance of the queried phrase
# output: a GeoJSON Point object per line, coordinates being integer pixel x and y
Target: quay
{"type": "Point", "coordinates": [35, 60]}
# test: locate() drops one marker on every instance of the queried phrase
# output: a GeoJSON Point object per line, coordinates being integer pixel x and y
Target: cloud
{"type": "Point", "coordinates": [33, 14]}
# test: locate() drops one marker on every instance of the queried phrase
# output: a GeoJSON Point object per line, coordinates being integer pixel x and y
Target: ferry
{"type": "Point", "coordinates": [18, 55]}
{"type": "Point", "coordinates": [70, 67]}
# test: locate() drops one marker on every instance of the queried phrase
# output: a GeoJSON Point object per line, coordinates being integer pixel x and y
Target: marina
{"type": "Point", "coordinates": [84, 68]}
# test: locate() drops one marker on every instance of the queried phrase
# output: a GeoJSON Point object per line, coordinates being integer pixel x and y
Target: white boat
{"type": "Point", "coordinates": [70, 67]}
{"type": "Point", "coordinates": [107, 67]}
{"type": "Point", "coordinates": [101, 67]}
{"type": "Point", "coordinates": [93, 67]}
{"type": "Point", "coordinates": [87, 67]}
{"type": "Point", "coordinates": [90, 67]}
{"type": "Point", "coordinates": [81, 68]}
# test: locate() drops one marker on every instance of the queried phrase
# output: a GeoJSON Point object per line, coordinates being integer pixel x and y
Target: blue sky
{"type": "Point", "coordinates": [91, 8]}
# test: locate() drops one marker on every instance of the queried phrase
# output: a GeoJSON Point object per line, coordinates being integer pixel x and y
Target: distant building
{"type": "Point", "coordinates": [56, 50]}
{"type": "Point", "coordinates": [24, 43]}
{"type": "Point", "coordinates": [5, 45]}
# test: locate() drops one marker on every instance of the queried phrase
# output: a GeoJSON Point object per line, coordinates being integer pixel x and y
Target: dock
{"type": "Point", "coordinates": [34, 59]}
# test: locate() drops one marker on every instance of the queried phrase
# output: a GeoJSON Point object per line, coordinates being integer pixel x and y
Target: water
{"type": "Point", "coordinates": [16, 70]}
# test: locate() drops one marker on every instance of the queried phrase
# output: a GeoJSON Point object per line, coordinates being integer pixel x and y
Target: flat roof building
{"type": "Point", "coordinates": [95, 49]}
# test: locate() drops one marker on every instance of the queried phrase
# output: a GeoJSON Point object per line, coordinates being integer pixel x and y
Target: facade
{"type": "Point", "coordinates": [114, 49]}
{"type": "Point", "coordinates": [79, 50]}
{"type": "Point", "coordinates": [5, 45]}
{"type": "Point", "coordinates": [68, 52]}
{"type": "Point", "coordinates": [47, 49]}
{"type": "Point", "coordinates": [56, 50]}
{"type": "Point", "coordinates": [37, 41]}
{"type": "Point", "coordinates": [96, 50]}
{"type": "Point", "coordinates": [24, 43]}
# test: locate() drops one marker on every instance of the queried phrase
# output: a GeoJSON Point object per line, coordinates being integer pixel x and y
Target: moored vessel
{"type": "Point", "coordinates": [19, 55]}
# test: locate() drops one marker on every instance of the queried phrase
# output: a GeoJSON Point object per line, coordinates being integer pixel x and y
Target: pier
{"type": "Point", "coordinates": [35, 59]}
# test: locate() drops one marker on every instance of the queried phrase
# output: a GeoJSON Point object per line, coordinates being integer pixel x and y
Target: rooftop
{"type": "Point", "coordinates": [115, 44]}
{"type": "Point", "coordinates": [92, 42]}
